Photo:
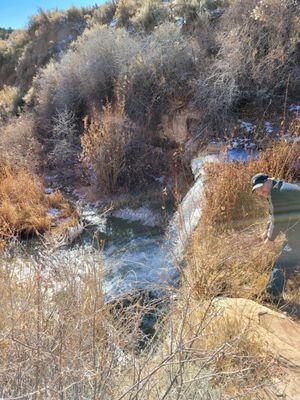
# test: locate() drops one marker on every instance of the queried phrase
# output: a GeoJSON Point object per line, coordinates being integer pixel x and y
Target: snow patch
{"type": "Point", "coordinates": [294, 107]}
{"type": "Point", "coordinates": [247, 126]}
{"type": "Point", "coordinates": [268, 127]}
{"type": "Point", "coordinates": [53, 212]}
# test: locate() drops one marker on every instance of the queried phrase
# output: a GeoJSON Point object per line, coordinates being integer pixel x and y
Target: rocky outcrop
{"type": "Point", "coordinates": [278, 334]}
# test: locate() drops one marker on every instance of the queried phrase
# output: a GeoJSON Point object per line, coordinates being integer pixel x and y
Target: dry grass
{"type": "Point", "coordinates": [104, 145]}
{"type": "Point", "coordinates": [24, 206]}
{"type": "Point", "coordinates": [19, 148]}
{"type": "Point", "coordinates": [229, 264]}
{"type": "Point", "coordinates": [228, 198]}
{"type": "Point", "coordinates": [227, 256]}
{"type": "Point", "coordinates": [239, 365]}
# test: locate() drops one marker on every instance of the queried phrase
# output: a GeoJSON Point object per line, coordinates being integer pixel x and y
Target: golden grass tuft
{"type": "Point", "coordinates": [24, 206]}
{"type": "Point", "coordinates": [234, 264]}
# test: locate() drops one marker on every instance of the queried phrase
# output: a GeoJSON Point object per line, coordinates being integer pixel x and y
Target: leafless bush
{"type": "Point", "coordinates": [60, 338]}
{"type": "Point", "coordinates": [256, 57]}
{"type": "Point", "coordinates": [56, 332]}
{"type": "Point", "coordinates": [104, 144]}
{"type": "Point", "coordinates": [18, 145]}
{"type": "Point", "coordinates": [86, 74]}
{"type": "Point", "coordinates": [65, 138]}
{"type": "Point", "coordinates": [162, 72]}
{"type": "Point", "coordinates": [9, 102]}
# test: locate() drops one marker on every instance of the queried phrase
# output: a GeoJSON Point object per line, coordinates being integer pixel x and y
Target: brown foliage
{"type": "Point", "coordinates": [104, 145]}
{"type": "Point", "coordinates": [228, 197]}
{"type": "Point", "coordinates": [18, 145]}
{"type": "Point", "coordinates": [24, 206]}
{"type": "Point", "coordinates": [227, 256]}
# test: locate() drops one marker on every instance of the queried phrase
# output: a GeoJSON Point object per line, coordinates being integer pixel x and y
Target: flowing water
{"type": "Point", "coordinates": [136, 256]}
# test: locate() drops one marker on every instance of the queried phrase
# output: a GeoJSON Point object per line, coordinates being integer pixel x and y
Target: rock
{"type": "Point", "coordinates": [278, 334]}
{"type": "Point", "coordinates": [175, 126]}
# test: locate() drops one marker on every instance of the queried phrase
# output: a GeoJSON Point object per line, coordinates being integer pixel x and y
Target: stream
{"type": "Point", "coordinates": [136, 255]}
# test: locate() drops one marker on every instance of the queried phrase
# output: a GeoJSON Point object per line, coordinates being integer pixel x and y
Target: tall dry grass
{"type": "Point", "coordinates": [104, 143]}
{"type": "Point", "coordinates": [24, 206]}
{"type": "Point", "coordinates": [227, 256]}
{"type": "Point", "coordinates": [228, 198]}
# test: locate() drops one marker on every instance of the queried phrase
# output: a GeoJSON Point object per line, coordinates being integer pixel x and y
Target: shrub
{"type": "Point", "coordinates": [64, 138]}
{"type": "Point", "coordinates": [104, 145]}
{"type": "Point", "coordinates": [4, 33]}
{"type": "Point", "coordinates": [50, 35]}
{"type": "Point", "coordinates": [126, 9]}
{"type": "Point", "coordinates": [257, 56]}
{"type": "Point", "coordinates": [86, 74]}
{"type": "Point", "coordinates": [150, 14]}
{"type": "Point", "coordinates": [19, 148]}
{"type": "Point", "coordinates": [195, 12]}
{"type": "Point", "coordinates": [10, 51]}
{"type": "Point", "coordinates": [47, 36]}
{"type": "Point", "coordinates": [104, 14]}
{"type": "Point", "coordinates": [162, 73]}
{"type": "Point", "coordinates": [9, 102]}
